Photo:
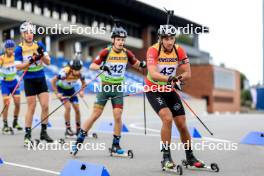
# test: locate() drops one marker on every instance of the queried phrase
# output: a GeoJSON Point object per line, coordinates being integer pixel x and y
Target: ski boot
{"type": "Point", "coordinates": [7, 130]}
{"type": "Point", "coordinates": [80, 138]}
{"type": "Point", "coordinates": [69, 133]}
{"type": "Point", "coordinates": [30, 143]}
{"type": "Point", "coordinates": [193, 163]}
{"type": "Point", "coordinates": [168, 165]}
{"type": "Point", "coordinates": [45, 137]}
{"type": "Point", "coordinates": [16, 125]}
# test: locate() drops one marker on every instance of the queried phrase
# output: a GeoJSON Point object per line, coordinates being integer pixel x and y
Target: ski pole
{"type": "Point", "coordinates": [66, 101]}
{"type": "Point", "coordinates": [16, 87]}
{"type": "Point", "coordinates": [84, 102]}
{"type": "Point", "coordinates": [144, 106]}
{"type": "Point", "coordinates": [193, 112]}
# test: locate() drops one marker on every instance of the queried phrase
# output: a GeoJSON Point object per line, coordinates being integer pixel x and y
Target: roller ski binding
{"type": "Point", "coordinates": [7, 130]}
{"type": "Point", "coordinates": [116, 151]}
{"type": "Point", "coordinates": [194, 163]}
{"type": "Point", "coordinates": [169, 166]}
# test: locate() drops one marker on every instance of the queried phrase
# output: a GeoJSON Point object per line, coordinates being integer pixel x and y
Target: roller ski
{"type": "Point", "coordinates": [194, 163]}
{"type": "Point", "coordinates": [116, 151]}
{"type": "Point", "coordinates": [80, 138]}
{"type": "Point", "coordinates": [7, 130]}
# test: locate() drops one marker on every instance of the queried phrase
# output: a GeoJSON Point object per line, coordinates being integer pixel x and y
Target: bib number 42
{"type": "Point", "coordinates": [116, 68]}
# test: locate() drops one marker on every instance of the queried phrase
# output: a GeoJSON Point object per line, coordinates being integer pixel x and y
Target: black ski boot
{"type": "Point", "coordinates": [193, 161]}
{"type": "Point", "coordinates": [44, 136]}
{"type": "Point", "coordinates": [16, 125]}
{"type": "Point", "coordinates": [80, 138]}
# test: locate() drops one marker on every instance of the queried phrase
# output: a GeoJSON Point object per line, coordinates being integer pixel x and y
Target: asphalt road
{"type": "Point", "coordinates": [229, 129]}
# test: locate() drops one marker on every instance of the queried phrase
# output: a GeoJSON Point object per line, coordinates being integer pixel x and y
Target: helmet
{"type": "Point", "coordinates": [26, 26]}
{"type": "Point", "coordinates": [76, 64]}
{"type": "Point", "coordinates": [167, 30]}
{"type": "Point", "coordinates": [118, 32]}
{"type": "Point", "coordinates": [10, 43]}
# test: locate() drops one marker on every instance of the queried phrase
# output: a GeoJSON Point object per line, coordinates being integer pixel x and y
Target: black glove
{"type": "Point", "coordinates": [177, 82]}
{"type": "Point", "coordinates": [105, 68]}
{"type": "Point", "coordinates": [172, 79]}
{"type": "Point", "coordinates": [177, 85]}
{"type": "Point", "coordinates": [31, 60]}
{"type": "Point", "coordinates": [37, 57]}
{"type": "Point", "coordinates": [142, 64]}
{"type": "Point", "coordinates": [40, 51]}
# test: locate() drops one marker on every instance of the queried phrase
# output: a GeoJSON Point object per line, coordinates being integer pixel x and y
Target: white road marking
{"type": "Point", "coordinates": [32, 168]}
{"type": "Point", "coordinates": [137, 126]}
{"type": "Point", "coordinates": [155, 131]}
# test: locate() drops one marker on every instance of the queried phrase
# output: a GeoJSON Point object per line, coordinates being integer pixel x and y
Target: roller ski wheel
{"type": "Point", "coordinates": [115, 153]}
{"type": "Point", "coordinates": [59, 141]}
{"type": "Point", "coordinates": [213, 166]}
{"type": "Point", "coordinates": [174, 169]}
{"type": "Point", "coordinates": [8, 131]}
{"type": "Point", "coordinates": [94, 135]}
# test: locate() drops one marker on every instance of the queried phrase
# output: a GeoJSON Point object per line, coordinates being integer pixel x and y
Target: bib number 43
{"type": "Point", "coordinates": [167, 70]}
